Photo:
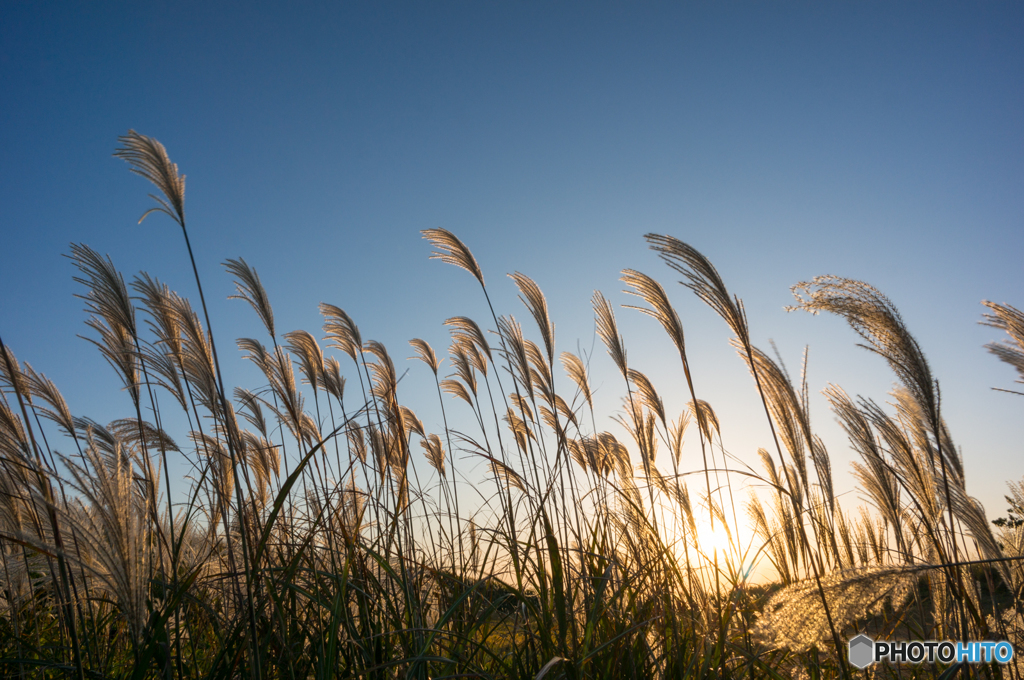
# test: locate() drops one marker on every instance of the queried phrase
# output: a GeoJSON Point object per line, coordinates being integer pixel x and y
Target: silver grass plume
{"type": "Point", "coordinates": [577, 371]}
{"type": "Point", "coordinates": [651, 292]}
{"type": "Point", "coordinates": [540, 371]}
{"type": "Point", "coordinates": [501, 471]}
{"type": "Point", "coordinates": [519, 428]}
{"type": "Point", "coordinates": [278, 369]}
{"type": "Point", "coordinates": [677, 430]}
{"type": "Point", "coordinates": [784, 404]}
{"type": "Point", "coordinates": [462, 366]}
{"type": "Point", "coordinates": [567, 413]}
{"type": "Point", "coordinates": [332, 381]}
{"type": "Point", "coordinates": [134, 434]}
{"type": "Point", "coordinates": [475, 357]}
{"type": "Point", "coordinates": [385, 380]}
{"type": "Point", "coordinates": [342, 332]}
{"type": "Point", "coordinates": [616, 455]}
{"type": "Point", "coordinates": [872, 316]}
{"type": "Point", "coordinates": [592, 451]}
{"type": "Point", "coordinates": [705, 417]}
{"type": "Point", "coordinates": [250, 409]}
{"type": "Point", "coordinates": [972, 514]}
{"type": "Point", "coordinates": [163, 358]}
{"type": "Point", "coordinates": [197, 356]}
{"type": "Point", "coordinates": [515, 349]}
{"type": "Point", "coordinates": [353, 502]}
{"type": "Point", "coordinates": [117, 346]}
{"type": "Point", "coordinates": [357, 442]}
{"type": "Point", "coordinates": [384, 388]}
{"type": "Point", "coordinates": [703, 279]}
{"type": "Point", "coordinates": [911, 465]}
{"type": "Point", "coordinates": [646, 440]}
{"type": "Point", "coordinates": [13, 380]}
{"type": "Point", "coordinates": [578, 451]}
{"type": "Point", "coordinates": [112, 519]}
{"type": "Point", "coordinates": [1016, 497]}
{"type": "Point", "coordinates": [457, 390]}
{"type": "Point", "coordinates": [113, 314]}
{"type": "Point", "coordinates": [451, 250]}
{"type": "Point", "coordinates": [282, 381]}
{"type": "Point", "coordinates": [311, 357]}
{"type": "Point", "coordinates": [823, 468]}
{"type": "Point", "coordinates": [845, 539]}
{"type": "Point", "coordinates": [465, 329]}
{"type": "Point", "coordinates": [915, 422]}
{"type": "Point", "coordinates": [522, 405]}
{"type": "Point", "coordinates": [18, 472]}
{"type": "Point", "coordinates": [433, 451]}
{"type": "Point", "coordinates": [877, 476]}
{"type": "Point", "coordinates": [509, 476]}
{"type": "Point", "coordinates": [53, 406]}
{"type": "Point", "coordinates": [547, 416]}
{"type": "Point", "coordinates": [682, 496]}
{"type": "Point", "coordinates": [148, 158]}
{"type": "Point", "coordinates": [534, 300]}
{"type": "Point", "coordinates": [261, 457]}
{"type": "Point", "coordinates": [250, 289]}
{"type": "Point", "coordinates": [425, 353]}
{"type": "Point", "coordinates": [550, 419]}
{"type": "Point", "coordinates": [648, 395]}
{"type": "Point", "coordinates": [1011, 539]}
{"type": "Point", "coordinates": [1011, 320]}
{"type": "Point", "coordinates": [772, 537]}
{"type": "Point", "coordinates": [412, 423]}
{"type": "Point", "coordinates": [608, 331]}
{"type": "Point", "coordinates": [221, 474]}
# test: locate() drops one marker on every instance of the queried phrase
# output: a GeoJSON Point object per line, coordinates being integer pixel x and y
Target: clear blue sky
{"type": "Point", "coordinates": [880, 141]}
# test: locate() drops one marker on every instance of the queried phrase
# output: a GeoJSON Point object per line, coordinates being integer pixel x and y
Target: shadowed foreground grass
{"type": "Point", "coordinates": [307, 543]}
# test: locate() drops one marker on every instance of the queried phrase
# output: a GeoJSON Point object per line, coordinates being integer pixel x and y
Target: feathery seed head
{"type": "Point", "coordinates": [534, 300]}
{"type": "Point", "coordinates": [703, 279]}
{"type": "Point", "coordinates": [332, 380]}
{"type": "Point", "coordinates": [874, 318]}
{"type": "Point", "coordinates": [452, 251]}
{"type": "Point", "coordinates": [648, 394]}
{"type": "Point", "coordinates": [608, 331]}
{"type": "Point", "coordinates": [1011, 320]}
{"type": "Point", "coordinates": [250, 289]}
{"type": "Point", "coordinates": [311, 357]}
{"type": "Point", "coordinates": [425, 353]}
{"type": "Point", "coordinates": [651, 292]}
{"type": "Point", "coordinates": [433, 451]}
{"type": "Point", "coordinates": [577, 371]}
{"type": "Point", "coordinates": [107, 295]}
{"type": "Point", "coordinates": [705, 416]}
{"type": "Point", "coordinates": [148, 158]}
{"type": "Point", "coordinates": [342, 332]}
{"type": "Point", "coordinates": [465, 328]}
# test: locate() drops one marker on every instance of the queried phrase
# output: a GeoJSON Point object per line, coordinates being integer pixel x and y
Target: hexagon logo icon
{"type": "Point", "coordinates": [862, 651]}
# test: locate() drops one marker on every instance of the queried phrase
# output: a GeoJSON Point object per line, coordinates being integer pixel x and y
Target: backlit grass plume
{"type": "Point", "coordinates": [449, 249]}
{"type": "Point", "coordinates": [148, 158]}
{"type": "Point", "coordinates": [1011, 320]}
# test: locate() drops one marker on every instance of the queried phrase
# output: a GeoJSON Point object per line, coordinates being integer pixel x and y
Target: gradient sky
{"type": "Point", "coordinates": [879, 141]}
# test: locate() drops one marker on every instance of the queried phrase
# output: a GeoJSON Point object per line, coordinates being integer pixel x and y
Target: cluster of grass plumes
{"type": "Point", "coordinates": [307, 543]}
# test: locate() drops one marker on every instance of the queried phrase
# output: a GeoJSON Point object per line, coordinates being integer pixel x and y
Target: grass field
{"type": "Point", "coordinates": [306, 544]}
